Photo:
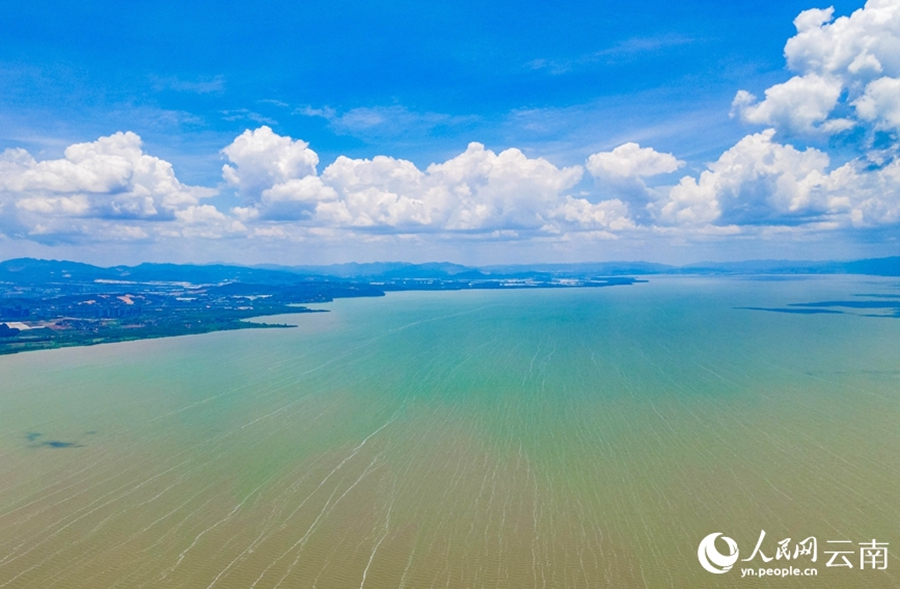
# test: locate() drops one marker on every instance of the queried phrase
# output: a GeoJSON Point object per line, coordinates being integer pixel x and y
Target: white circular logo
{"type": "Point", "coordinates": [713, 560]}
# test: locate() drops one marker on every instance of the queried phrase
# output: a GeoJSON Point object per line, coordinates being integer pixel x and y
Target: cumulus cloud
{"type": "Point", "coordinates": [757, 180]}
{"type": "Point", "coordinates": [630, 160]}
{"type": "Point", "coordinates": [110, 189]}
{"type": "Point", "coordinates": [109, 177]}
{"type": "Point", "coordinates": [847, 76]}
{"type": "Point", "coordinates": [263, 159]}
{"type": "Point", "coordinates": [382, 191]}
{"type": "Point", "coordinates": [486, 189]}
{"type": "Point", "coordinates": [99, 187]}
{"type": "Point", "coordinates": [801, 104]}
{"type": "Point", "coordinates": [762, 182]}
{"type": "Point", "coordinates": [621, 174]}
{"type": "Point", "coordinates": [852, 61]}
{"type": "Point", "coordinates": [478, 190]}
{"type": "Point", "coordinates": [881, 103]}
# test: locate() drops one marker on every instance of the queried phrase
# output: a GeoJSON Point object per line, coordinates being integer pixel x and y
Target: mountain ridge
{"type": "Point", "coordinates": [34, 270]}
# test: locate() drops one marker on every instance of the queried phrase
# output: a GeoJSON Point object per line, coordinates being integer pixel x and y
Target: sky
{"type": "Point", "coordinates": [477, 133]}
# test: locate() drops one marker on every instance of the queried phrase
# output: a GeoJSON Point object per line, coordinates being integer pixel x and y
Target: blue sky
{"type": "Point", "coordinates": [477, 133]}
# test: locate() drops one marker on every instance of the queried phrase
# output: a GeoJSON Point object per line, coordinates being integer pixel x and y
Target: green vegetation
{"type": "Point", "coordinates": [50, 304]}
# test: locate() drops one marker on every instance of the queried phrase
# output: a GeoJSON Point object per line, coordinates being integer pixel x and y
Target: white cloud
{"type": "Point", "coordinates": [100, 188]}
{"type": "Point", "coordinates": [382, 191]}
{"type": "Point", "coordinates": [508, 189]}
{"type": "Point", "coordinates": [881, 103]}
{"type": "Point", "coordinates": [630, 160]}
{"type": "Point", "coordinates": [108, 178]}
{"type": "Point", "coordinates": [208, 222]}
{"type": "Point", "coordinates": [111, 190]}
{"type": "Point", "coordinates": [756, 181]}
{"type": "Point", "coordinates": [296, 198]}
{"type": "Point", "coordinates": [801, 104]}
{"type": "Point", "coordinates": [621, 173]}
{"type": "Point", "coordinates": [263, 159]}
{"type": "Point", "coordinates": [54, 230]}
{"type": "Point", "coordinates": [478, 190]}
{"type": "Point", "coordinates": [111, 176]}
{"type": "Point", "coordinates": [762, 182]}
{"type": "Point", "coordinates": [607, 214]}
{"type": "Point", "coordinates": [865, 43]}
{"type": "Point", "coordinates": [852, 60]}
{"type": "Point", "coordinates": [68, 206]}
{"type": "Point", "coordinates": [866, 197]}
{"type": "Point", "coordinates": [847, 76]}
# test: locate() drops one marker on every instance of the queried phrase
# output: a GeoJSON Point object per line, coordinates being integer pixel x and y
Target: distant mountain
{"type": "Point", "coordinates": [31, 271]}
{"type": "Point", "coordinates": [25, 271]}
{"type": "Point", "coordinates": [384, 270]}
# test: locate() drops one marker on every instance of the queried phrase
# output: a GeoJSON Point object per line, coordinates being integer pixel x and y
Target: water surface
{"type": "Point", "coordinates": [550, 438]}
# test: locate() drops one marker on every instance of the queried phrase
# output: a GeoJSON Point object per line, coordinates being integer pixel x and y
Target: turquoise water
{"type": "Point", "coordinates": [548, 438]}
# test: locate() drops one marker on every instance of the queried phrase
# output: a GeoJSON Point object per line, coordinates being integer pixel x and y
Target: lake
{"type": "Point", "coordinates": [560, 438]}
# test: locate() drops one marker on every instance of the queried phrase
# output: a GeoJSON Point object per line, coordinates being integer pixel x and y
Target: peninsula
{"type": "Point", "coordinates": [51, 304]}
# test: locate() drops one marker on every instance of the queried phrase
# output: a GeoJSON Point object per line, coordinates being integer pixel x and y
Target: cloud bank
{"type": "Point", "coordinates": [780, 177]}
